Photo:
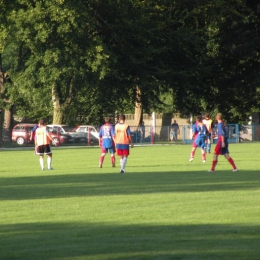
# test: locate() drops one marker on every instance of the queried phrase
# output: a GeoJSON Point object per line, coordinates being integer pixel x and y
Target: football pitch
{"type": "Point", "coordinates": [164, 207]}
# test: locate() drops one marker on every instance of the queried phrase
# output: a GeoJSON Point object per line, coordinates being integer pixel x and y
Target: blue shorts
{"type": "Point", "coordinates": [200, 142]}
{"type": "Point", "coordinates": [105, 150]}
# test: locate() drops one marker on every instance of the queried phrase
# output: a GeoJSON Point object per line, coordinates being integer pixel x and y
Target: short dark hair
{"type": "Point", "coordinates": [122, 117]}
{"type": "Point", "coordinates": [107, 119]}
{"type": "Point", "coordinates": [199, 118]}
{"type": "Point", "coordinates": [41, 122]}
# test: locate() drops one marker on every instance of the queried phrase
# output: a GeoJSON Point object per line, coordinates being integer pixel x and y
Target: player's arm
{"type": "Point", "coordinates": [129, 137]}
{"type": "Point", "coordinates": [100, 136]}
{"type": "Point", "coordinates": [130, 141]}
{"type": "Point", "coordinates": [50, 137]}
{"type": "Point", "coordinates": [221, 134]}
{"type": "Point", "coordinates": [32, 132]}
{"type": "Point", "coordinates": [194, 131]}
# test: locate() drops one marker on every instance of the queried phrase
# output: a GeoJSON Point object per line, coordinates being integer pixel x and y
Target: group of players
{"type": "Point", "coordinates": [202, 134]}
{"type": "Point", "coordinates": [117, 139]}
{"type": "Point", "coordinates": [111, 139]}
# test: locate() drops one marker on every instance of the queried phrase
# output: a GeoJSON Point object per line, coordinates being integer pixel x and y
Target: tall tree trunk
{"type": "Point", "coordinates": [1, 95]}
{"type": "Point", "coordinates": [8, 123]}
{"type": "Point", "coordinates": [57, 107]}
{"type": "Point", "coordinates": [138, 108]}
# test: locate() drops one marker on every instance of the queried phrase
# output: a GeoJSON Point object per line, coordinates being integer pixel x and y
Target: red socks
{"type": "Point", "coordinates": [230, 160]}
{"type": "Point", "coordinates": [113, 159]}
{"type": "Point", "coordinates": [101, 160]}
{"type": "Point", "coordinates": [214, 163]}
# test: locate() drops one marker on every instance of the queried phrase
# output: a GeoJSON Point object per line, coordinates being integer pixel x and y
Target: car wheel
{"type": "Point", "coordinates": [55, 141]}
{"type": "Point", "coordinates": [20, 140]}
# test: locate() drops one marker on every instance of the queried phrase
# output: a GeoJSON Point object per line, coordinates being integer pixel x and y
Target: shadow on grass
{"type": "Point", "coordinates": [99, 241]}
{"type": "Point", "coordinates": [70, 185]}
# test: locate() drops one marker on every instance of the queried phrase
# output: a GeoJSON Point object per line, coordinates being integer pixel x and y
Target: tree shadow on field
{"type": "Point", "coordinates": [70, 185]}
{"type": "Point", "coordinates": [99, 241]}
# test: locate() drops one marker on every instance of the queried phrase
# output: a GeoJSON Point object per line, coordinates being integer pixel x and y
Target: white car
{"type": "Point", "coordinates": [88, 129]}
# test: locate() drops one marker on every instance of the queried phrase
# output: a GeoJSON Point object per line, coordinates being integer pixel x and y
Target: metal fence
{"type": "Point", "coordinates": [237, 133]}
{"type": "Point", "coordinates": [151, 135]}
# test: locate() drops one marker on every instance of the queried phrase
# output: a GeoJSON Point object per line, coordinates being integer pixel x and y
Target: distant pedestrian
{"type": "Point", "coordinates": [122, 138]}
{"type": "Point", "coordinates": [222, 145]}
{"type": "Point", "coordinates": [141, 130]}
{"type": "Point", "coordinates": [175, 130]}
{"type": "Point", "coordinates": [42, 143]}
{"type": "Point", "coordinates": [106, 142]}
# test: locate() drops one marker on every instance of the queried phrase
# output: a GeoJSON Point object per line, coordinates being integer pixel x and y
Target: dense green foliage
{"type": "Point", "coordinates": [83, 59]}
{"type": "Point", "coordinates": [163, 208]}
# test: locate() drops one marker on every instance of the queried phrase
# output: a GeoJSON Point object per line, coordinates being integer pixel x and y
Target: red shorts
{"type": "Point", "coordinates": [124, 152]}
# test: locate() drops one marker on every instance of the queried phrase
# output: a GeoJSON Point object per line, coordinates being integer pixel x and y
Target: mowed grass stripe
{"type": "Point", "coordinates": [163, 208]}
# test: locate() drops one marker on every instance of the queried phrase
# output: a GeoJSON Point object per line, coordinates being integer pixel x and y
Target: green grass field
{"type": "Point", "coordinates": [163, 208]}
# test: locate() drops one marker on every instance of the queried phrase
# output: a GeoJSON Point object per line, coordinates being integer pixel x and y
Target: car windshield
{"type": "Point", "coordinates": [67, 128]}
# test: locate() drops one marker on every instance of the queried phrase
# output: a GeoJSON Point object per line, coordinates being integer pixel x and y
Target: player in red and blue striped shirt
{"type": "Point", "coordinates": [222, 145]}
{"type": "Point", "coordinates": [106, 142]}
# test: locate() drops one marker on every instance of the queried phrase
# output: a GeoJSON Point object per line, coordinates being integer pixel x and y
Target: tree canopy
{"type": "Point", "coordinates": [76, 61]}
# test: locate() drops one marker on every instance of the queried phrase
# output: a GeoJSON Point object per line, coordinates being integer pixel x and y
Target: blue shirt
{"type": "Point", "coordinates": [106, 132]}
{"type": "Point", "coordinates": [200, 131]}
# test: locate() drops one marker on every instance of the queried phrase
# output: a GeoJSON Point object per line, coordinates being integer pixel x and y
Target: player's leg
{"type": "Point", "coordinates": [209, 143]}
{"type": "Point", "coordinates": [231, 161]}
{"type": "Point", "coordinates": [120, 153]}
{"type": "Point", "coordinates": [112, 157]}
{"type": "Point", "coordinates": [102, 157]}
{"type": "Point", "coordinates": [192, 153]}
{"type": "Point", "coordinates": [49, 161]}
{"type": "Point", "coordinates": [217, 152]}
{"type": "Point", "coordinates": [203, 153]}
{"type": "Point", "coordinates": [48, 152]}
{"type": "Point", "coordinates": [214, 162]}
{"type": "Point", "coordinates": [40, 152]}
{"type": "Point", "coordinates": [124, 160]}
{"type": "Point", "coordinates": [206, 144]}
{"type": "Point", "coordinates": [42, 161]}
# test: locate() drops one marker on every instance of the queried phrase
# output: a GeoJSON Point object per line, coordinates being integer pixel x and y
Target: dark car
{"type": "Point", "coordinates": [21, 134]}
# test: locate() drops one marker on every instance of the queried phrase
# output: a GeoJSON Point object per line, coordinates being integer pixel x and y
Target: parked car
{"type": "Point", "coordinates": [58, 136]}
{"type": "Point", "coordinates": [65, 129]}
{"type": "Point", "coordinates": [21, 134]}
{"type": "Point", "coordinates": [87, 129]}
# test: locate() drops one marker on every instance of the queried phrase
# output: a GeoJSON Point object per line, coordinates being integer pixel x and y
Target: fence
{"type": "Point", "coordinates": [237, 133]}
{"type": "Point", "coordinates": [149, 135]}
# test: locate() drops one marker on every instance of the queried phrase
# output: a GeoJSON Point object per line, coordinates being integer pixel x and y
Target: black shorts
{"type": "Point", "coordinates": [43, 149]}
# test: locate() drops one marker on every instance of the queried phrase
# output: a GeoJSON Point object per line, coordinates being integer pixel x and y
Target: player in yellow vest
{"type": "Point", "coordinates": [42, 143]}
{"type": "Point", "coordinates": [122, 138]}
{"type": "Point", "coordinates": [207, 121]}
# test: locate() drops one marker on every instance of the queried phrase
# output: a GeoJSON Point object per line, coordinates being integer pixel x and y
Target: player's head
{"type": "Point", "coordinates": [41, 122]}
{"type": "Point", "coordinates": [219, 116]}
{"type": "Point", "coordinates": [198, 118]}
{"type": "Point", "coordinates": [207, 116]}
{"type": "Point", "coordinates": [107, 119]}
{"type": "Point", "coordinates": [121, 117]}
